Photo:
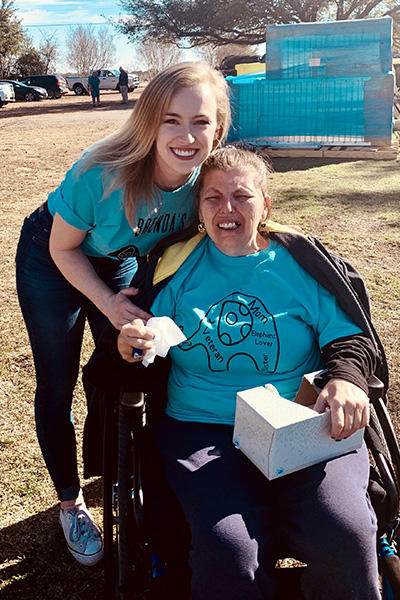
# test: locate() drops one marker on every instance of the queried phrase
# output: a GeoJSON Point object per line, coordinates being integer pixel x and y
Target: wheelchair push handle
{"type": "Point", "coordinates": [132, 404]}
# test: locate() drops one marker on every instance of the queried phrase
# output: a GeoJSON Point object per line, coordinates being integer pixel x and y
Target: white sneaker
{"type": "Point", "coordinates": [84, 538]}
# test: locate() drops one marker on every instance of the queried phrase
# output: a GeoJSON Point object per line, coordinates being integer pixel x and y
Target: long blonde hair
{"type": "Point", "coordinates": [129, 154]}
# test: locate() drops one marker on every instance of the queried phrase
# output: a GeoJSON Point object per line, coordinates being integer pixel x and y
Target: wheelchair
{"type": "Point", "coordinates": [146, 537]}
{"type": "Point", "coordinates": [146, 544]}
{"type": "Point", "coordinates": [145, 562]}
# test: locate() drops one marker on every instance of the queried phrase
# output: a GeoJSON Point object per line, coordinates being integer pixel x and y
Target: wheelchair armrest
{"type": "Point", "coordinates": [375, 388]}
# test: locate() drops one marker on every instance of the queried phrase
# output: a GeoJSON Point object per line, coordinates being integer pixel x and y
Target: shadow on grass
{"type": "Point", "coordinates": [296, 199]}
{"type": "Point", "coordinates": [36, 564]}
{"type": "Point", "coordinates": [283, 165]}
{"type": "Point", "coordinates": [63, 105]}
{"type": "Point", "coordinates": [369, 197]}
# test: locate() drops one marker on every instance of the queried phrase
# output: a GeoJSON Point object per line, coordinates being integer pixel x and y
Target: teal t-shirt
{"type": "Point", "coordinates": [95, 83]}
{"type": "Point", "coordinates": [249, 321]}
{"type": "Point", "coordinates": [79, 201]}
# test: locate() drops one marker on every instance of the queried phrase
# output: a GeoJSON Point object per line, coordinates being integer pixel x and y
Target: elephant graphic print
{"type": "Point", "coordinates": [237, 326]}
{"type": "Point", "coordinates": [248, 321]}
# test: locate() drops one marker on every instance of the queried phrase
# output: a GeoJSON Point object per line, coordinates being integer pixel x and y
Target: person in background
{"type": "Point", "coordinates": [78, 252]}
{"type": "Point", "coordinates": [94, 88]}
{"type": "Point", "coordinates": [252, 315]}
{"type": "Point", "coordinates": [123, 85]}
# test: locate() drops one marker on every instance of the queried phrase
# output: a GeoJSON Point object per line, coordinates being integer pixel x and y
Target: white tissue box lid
{"type": "Point", "coordinates": [278, 411]}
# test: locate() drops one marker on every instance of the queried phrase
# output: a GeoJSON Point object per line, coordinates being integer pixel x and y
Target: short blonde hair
{"type": "Point", "coordinates": [229, 158]}
{"type": "Point", "coordinates": [129, 151]}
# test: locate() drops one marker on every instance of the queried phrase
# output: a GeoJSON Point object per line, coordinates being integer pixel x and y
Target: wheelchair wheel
{"type": "Point", "coordinates": [125, 566]}
{"type": "Point", "coordinates": [131, 568]}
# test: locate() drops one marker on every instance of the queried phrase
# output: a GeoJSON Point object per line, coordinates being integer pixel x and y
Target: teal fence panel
{"type": "Point", "coordinates": [325, 83]}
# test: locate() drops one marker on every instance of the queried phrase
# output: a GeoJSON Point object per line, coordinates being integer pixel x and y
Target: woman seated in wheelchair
{"type": "Point", "coordinates": [252, 315]}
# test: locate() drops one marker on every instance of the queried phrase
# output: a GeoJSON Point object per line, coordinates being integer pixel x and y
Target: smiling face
{"type": "Point", "coordinates": [185, 136]}
{"type": "Point", "coordinates": [231, 206]}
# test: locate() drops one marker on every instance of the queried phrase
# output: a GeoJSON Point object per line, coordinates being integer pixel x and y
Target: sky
{"type": "Point", "coordinates": [56, 16]}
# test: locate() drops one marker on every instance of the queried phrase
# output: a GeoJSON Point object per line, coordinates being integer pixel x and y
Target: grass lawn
{"type": "Point", "coordinates": [351, 206]}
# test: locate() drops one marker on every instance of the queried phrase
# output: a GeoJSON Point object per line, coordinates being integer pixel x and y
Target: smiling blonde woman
{"type": "Point", "coordinates": [79, 250]}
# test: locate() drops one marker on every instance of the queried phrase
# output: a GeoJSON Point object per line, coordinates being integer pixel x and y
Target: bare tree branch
{"type": "Point", "coordinates": [157, 57]}
{"type": "Point", "coordinates": [86, 51]}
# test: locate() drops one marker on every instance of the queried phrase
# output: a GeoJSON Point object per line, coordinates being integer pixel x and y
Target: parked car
{"type": "Point", "coordinates": [27, 92]}
{"type": "Point", "coordinates": [108, 81]}
{"type": "Point", "coordinates": [55, 85]}
{"type": "Point", "coordinates": [228, 68]}
{"type": "Point", "coordinates": [7, 93]}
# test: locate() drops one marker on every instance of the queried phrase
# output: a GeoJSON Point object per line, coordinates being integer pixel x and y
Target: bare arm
{"type": "Point", "coordinates": [65, 241]}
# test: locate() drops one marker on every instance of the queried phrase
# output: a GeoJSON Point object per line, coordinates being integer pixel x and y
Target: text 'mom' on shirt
{"type": "Point", "coordinates": [249, 321]}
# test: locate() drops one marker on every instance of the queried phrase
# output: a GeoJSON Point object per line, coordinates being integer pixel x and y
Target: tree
{"type": "Point", "coordinates": [48, 52]}
{"type": "Point", "coordinates": [396, 36]}
{"type": "Point", "coordinates": [87, 52]}
{"type": "Point", "coordinates": [29, 62]}
{"type": "Point", "coordinates": [157, 57]}
{"type": "Point", "coordinates": [219, 22]}
{"type": "Point", "coordinates": [106, 48]}
{"type": "Point", "coordinates": [11, 37]}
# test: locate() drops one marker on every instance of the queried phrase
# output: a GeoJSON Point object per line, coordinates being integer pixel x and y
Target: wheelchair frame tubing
{"type": "Point", "coordinates": [132, 573]}
{"type": "Point", "coordinates": [109, 478]}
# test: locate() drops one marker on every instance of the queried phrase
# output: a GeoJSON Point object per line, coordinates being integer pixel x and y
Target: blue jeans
{"type": "Point", "coordinates": [55, 313]}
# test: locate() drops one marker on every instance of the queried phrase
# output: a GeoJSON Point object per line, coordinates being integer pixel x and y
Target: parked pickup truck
{"type": "Point", "coordinates": [7, 93]}
{"type": "Point", "coordinates": [108, 81]}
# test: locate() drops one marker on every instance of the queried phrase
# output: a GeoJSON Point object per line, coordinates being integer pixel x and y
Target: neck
{"type": "Point", "coordinates": [261, 243]}
{"type": "Point", "coordinates": [169, 184]}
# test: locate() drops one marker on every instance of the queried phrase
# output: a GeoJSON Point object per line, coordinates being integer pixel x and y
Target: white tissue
{"type": "Point", "coordinates": [271, 389]}
{"type": "Point", "coordinates": [167, 334]}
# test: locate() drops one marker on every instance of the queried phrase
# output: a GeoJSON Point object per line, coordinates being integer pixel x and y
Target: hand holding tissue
{"type": "Point", "coordinates": [167, 334]}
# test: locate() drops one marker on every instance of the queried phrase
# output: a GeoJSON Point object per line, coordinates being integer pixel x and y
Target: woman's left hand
{"type": "Point", "coordinates": [348, 404]}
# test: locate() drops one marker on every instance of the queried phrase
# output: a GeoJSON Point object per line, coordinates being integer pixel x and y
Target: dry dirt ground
{"type": "Point", "coordinates": [39, 142]}
{"type": "Point", "coordinates": [352, 206]}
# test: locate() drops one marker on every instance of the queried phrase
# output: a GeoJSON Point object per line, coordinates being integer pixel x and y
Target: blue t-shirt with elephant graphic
{"type": "Point", "coordinates": [249, 320]}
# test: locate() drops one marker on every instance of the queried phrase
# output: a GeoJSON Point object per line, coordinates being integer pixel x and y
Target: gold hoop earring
{"type": "Point", "coordinates": [201, 227]}
{"type": "Point", "coordinates": [262, 226]}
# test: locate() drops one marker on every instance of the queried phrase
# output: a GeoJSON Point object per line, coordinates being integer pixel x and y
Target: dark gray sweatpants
{"type": "Point", "coordinates": [238, 519]}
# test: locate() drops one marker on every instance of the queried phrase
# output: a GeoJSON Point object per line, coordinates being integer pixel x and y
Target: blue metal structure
{"type": "Point", "coordinates": [324, 84]}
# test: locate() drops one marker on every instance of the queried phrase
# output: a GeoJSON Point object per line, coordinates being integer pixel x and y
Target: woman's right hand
{"type": "Point", "coordinates": [135, 336]}
{"type": "Point", "coordinates": [65, 249]}
{"type": "Point", "coordinates": [119, 309]}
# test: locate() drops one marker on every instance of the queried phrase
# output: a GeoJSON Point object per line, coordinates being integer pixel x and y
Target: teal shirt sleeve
{"type": "Point", "coordinates": [81, 202]}
{"type": "Point", "coordinates": [76, 198]}
{"type": "Point", "coordinates": [164, 304]}
{"type": "Point", "coordinates": [333, 322]}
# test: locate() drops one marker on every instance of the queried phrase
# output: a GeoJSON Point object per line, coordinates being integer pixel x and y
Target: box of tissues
{"type": "Point", "coordinates": [280, 436]}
